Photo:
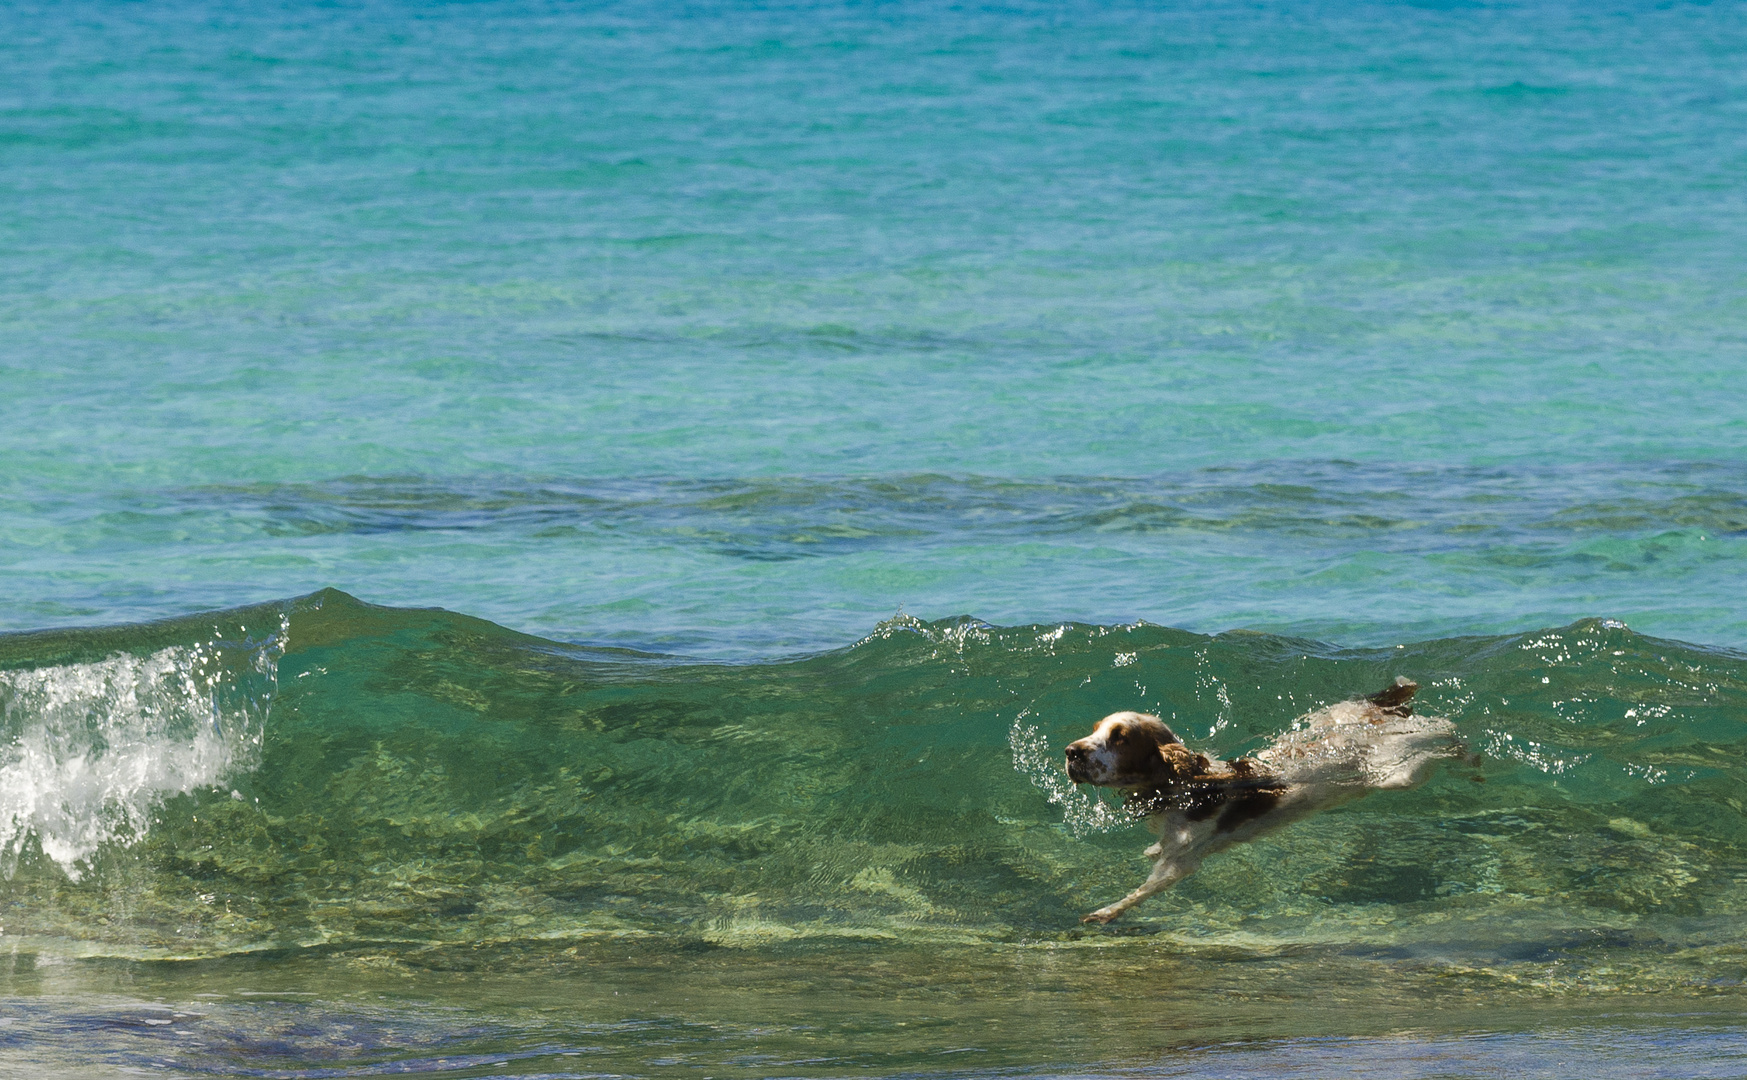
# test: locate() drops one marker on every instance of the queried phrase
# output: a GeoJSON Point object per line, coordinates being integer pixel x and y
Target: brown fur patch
{"type": "Point", "coordinates": [1393, 699]}
{"type": "Point", "coordinates": [1248, 806]}
{"type": "Point", "coordinates": [1202, 801]}
{"type": "Point", "coordinates": [1181, 763]}
{"type": "Point", "coordinates": [1149, 753]}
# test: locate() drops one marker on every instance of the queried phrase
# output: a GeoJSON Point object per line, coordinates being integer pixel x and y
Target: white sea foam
{"type": "Point", "coordinates": [91, 749]}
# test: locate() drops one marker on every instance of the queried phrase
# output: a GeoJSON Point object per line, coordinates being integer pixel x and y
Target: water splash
{"type": "Point", "coordinates": [1033, 758]}
{"type": "Point", "coordinates": [93, 748]}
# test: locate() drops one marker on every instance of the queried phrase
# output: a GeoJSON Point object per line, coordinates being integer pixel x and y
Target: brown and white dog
{"type": "Point", "coordinates": [1197, 805]}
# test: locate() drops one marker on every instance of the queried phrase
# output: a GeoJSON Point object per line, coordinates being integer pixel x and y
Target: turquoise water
{"type": "Point", "coordinates": [815, 415]}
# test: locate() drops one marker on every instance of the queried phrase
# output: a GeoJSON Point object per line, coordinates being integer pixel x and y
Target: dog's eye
{"type": "Point", "coordinates": [1118, 735]}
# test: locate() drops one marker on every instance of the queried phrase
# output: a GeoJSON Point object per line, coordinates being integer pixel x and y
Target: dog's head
{"type": "Point", "coordinates": [1132, 750]}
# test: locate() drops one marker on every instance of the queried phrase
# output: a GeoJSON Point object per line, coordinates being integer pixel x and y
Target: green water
{"type": "Point", "coordinates": [855, 843]}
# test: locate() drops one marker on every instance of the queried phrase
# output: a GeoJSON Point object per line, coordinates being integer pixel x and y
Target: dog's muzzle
{"type": "Point", "coordinates": [1077, 765]}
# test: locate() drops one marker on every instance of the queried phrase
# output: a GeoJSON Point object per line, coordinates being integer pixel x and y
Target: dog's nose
{"type": "Point", "coordinates": [1077, 766]}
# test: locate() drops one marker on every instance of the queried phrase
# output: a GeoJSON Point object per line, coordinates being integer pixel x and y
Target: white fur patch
{"type": "Point", "coordinates": [1100, 764]}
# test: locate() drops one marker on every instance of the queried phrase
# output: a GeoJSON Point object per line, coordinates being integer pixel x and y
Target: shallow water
{"type": "Point", "coordinates": [1134, 1012]}
{"type": "Point", "coordinates": [454, 843]}
{"type": "Point", "coordinates": [808, 418]}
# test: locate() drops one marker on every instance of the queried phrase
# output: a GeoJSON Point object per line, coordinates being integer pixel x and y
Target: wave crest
{"type": "Point", "coordinates": [92, 748]}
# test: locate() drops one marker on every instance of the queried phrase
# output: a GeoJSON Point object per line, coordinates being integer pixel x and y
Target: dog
{"type": "Point", "coordinates": [1197, 805]}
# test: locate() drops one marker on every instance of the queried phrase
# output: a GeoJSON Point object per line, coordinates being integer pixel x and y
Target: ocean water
{"type": "Point", "coordinates": [567, 539]}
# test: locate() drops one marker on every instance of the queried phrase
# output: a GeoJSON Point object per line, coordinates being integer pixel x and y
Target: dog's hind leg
{"type": "Point", "coordinates": [1164, 875]}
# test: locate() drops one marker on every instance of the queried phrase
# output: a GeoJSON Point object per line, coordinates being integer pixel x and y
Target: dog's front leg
{"type": "Point", "coordinates": [1165, 874]}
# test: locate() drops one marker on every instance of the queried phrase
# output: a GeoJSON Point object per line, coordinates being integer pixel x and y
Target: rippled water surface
{"type": "Point", "coordinates": [567, 540]}
{"type": "Point", "coordinates": [453, 844]}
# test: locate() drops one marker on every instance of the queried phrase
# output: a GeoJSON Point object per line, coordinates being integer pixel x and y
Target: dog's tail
{"type": "Point", "coordinates": [1394, 698]}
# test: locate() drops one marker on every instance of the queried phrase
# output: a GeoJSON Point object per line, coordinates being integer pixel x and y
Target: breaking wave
{"type": "Point", "coordinates": [93, 748]}
{"type": "Point", "coordinates": [433, 780]}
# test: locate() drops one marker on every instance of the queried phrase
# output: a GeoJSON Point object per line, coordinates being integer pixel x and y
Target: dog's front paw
{"type": "Point", "coordinates": [1101, 916]}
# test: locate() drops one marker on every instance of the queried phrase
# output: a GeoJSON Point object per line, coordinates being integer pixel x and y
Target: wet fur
{"type": "Point", "coordinates": [1198, 805]}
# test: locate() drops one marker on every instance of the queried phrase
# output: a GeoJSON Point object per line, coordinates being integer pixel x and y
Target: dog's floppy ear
{"type": "Point", "coordinates": [1175, 763]}
{"type": "Point", "coordinates": [1162, 733]}
{"type": "Point", "coordinates": [1180, 763]}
